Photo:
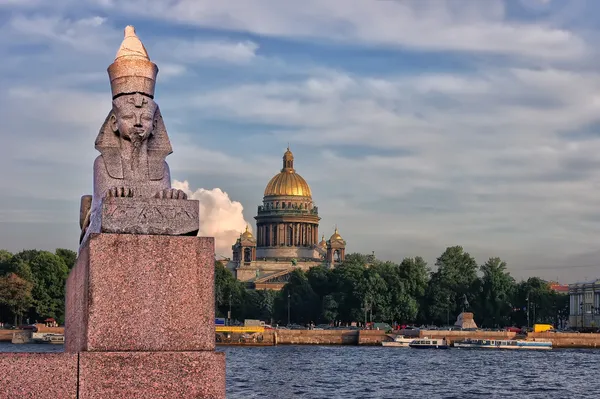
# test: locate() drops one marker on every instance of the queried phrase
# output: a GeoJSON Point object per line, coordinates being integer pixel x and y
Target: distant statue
{"type": "Point", "coordinates": [133, 141]}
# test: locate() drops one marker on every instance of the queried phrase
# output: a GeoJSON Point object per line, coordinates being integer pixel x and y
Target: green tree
{"type": "Point", "coordinates": [5, 257]}
{"type": "Point", "coordinates": [68, 256]}
{"type": "Point", "coordinates": [15, 294]}
{"type": "Point", "coordinates": [346, 281]}
{"type": "Point", "coordinates": [228, 293]}
{"type": "Point", "coordinates": [497, 287]}
{"type": "Point", "coordinates": [303, 302]}
{"type": "Point", "coordinates": [454, 281]}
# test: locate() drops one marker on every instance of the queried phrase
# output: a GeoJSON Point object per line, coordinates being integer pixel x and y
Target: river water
{"type": "Point", "coordinates": [329, 372]}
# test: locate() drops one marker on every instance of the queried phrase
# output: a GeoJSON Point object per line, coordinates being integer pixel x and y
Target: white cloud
{"type": "Point", "coordinates": [192, 51]}
{"type": "Point", "coordinates": [220, 216]}
{"type": "Point", "coordinates": [487, 161]}
{"type": "Point", "coordinates": [456, 25]}
{"type": "Point", "coordinates": [87, 35]}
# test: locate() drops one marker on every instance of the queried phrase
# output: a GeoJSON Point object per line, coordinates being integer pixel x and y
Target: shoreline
{"type": "Point", "coordinates": [374, 337]}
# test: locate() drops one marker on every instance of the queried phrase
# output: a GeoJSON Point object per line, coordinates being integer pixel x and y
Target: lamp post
{"type": "Point", "coordinates": [229, 314]}
{"type": "Point", "coordinates": [581, 312]}
{"type": "Point", "coordinates": [527, 299]}
{"type": "Point", "coordinates": [448, 311]}
{"type": "Point", "coordinates": [289, 296]}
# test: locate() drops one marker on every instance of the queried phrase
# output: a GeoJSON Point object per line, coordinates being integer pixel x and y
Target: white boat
{"type": "Point", "coordinates": [48, 338]}
{"type": "Point", "coordinates": [400, 341]}
{"type": "Point", "coordinates": [429, 343]}
{"type": "Point", "coordinates": [502, 344]}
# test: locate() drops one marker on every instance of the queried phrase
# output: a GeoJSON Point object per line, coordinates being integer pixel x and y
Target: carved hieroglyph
{"type": "Point", "coordinates": [132, 181]}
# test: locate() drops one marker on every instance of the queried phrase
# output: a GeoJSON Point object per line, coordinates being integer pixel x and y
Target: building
{"type": "Point", "coordinates": [287, 234]}
{"type": "Point", "coordinates": [559, 288]}
{"type": "Point", "coordinates": [584, 305]}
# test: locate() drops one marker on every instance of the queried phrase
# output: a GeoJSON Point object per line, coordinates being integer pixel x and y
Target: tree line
{"type": "Point", "coordinates": [365, 289]}
{"type": "Point", "coordinates": [32, 284]}
{"type": "Point", "coordinates": [362, 288]}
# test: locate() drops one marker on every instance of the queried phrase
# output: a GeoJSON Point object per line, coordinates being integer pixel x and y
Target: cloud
{"type": "Point", "coordinates": [86, 35]}
{"type": "Point", "coordinates": [428, 25]}
{"type": "Point", "coordinates": [497, 154]}
{"type": "Point", "coordinates": [220, 216]}
{"type": "Point", "coordinates": [193, 51]}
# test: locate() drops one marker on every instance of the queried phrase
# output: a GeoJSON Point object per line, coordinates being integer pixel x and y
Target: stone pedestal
{"type": "Point", "coordinates": [142, 293]}
{"type": "Point", "coordinates": [139, 325]}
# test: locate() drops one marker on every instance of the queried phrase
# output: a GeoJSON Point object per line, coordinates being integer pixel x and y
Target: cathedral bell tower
{"type": "Point", "coordinates": [336, 249]}
{"type": "Point", "coordinates": [244, 249]}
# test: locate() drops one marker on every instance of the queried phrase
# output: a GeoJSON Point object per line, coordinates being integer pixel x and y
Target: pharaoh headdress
{"type": "Point", "coordinates": [133, 72]}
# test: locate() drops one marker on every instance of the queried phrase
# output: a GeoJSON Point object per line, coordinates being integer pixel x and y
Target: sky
{"type": "Point", "coordinates": [418, 124]}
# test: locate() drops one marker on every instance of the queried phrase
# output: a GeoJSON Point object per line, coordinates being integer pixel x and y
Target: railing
{"type": "Point", "coordinates": [262, 210]}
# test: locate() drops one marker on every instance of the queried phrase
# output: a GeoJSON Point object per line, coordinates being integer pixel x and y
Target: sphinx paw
{"type": "Point", "coordinates": [171, 193]}
{"type": "Point", "coordinates": [119, 192]}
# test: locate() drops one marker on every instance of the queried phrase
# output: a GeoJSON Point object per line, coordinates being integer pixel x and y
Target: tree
{"type": "Point", "coordinates": [5, 257]}
{"type": "Point", "coordinates": [453, 281]}
{"type": "Point", "coordinates": [228, 293]}
{"type": "Point", "coordinates": [497, 287]}
{"type": "Point", "coordinates": [68, 256]}
{"type": "Point", "coordinates": [303, 302]}
{"type": "Point", "coordinates": [15, 294]}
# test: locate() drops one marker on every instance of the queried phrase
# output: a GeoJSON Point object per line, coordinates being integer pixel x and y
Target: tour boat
{"type": "Point", "coordinates": [49, 339]}
{"type": "Point", "coordinates": [502, 344]}
{"type": "Point", "coordinates": [400, 341]}
{"type": "Point", "coordinates": [429, 343]}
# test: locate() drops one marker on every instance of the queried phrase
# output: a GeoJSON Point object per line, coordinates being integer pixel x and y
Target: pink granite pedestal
{"type": "Point", "coordinates": [38, 375]}
{"type": "Point", "coordinates": [142, 293]}
{"type": "Point", "coordinates": [139, 325]}
{"type": "Point", "coordinates": [140, 313]}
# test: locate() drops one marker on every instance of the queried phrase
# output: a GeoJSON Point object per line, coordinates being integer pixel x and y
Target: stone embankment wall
{"type": "Point", "coordinates": [374, 337]}
{"type": "Point", "coordinates": [7, 335]}
{"type": "Point", "coordinates": [569, 340]}
{"type": "Point", "coordinates": [316, 337]}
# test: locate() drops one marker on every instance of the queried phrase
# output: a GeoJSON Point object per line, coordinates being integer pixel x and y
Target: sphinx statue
{"type": "Point", "coordinates": [132, 182]}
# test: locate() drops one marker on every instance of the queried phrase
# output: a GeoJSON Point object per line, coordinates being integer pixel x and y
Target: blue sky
{"type": "Point", "coordinates": [418, 124]}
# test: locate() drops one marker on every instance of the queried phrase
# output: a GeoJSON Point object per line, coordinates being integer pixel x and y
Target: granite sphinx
{"type": "Point", "coordinates": [132, 182]}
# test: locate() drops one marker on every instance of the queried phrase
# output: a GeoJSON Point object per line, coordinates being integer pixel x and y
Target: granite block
{"type": "Point", "coordinates": [152, 375]}
{"type": "Point", "coordinates": [156, 216]}
{"type": "Point", "coordinates": [38, 375]}
{"type": "Point", "coordinates": [142, 293]}
{"type": "Point", "coordinates": [76, 303]}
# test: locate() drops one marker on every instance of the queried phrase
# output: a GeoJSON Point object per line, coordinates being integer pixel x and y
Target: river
{"type": "Point", "coordinates": [328, 372]}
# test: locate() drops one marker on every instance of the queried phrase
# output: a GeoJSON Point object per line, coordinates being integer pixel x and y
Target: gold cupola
{"type": "Point", "coordinates": [288, 182]}
{"type": "Point", "coordinates": [323, 243]}
{"type": "Point", "coordinates": [247, 233]}
{"type": "Point", "coordinates": [336, 236]}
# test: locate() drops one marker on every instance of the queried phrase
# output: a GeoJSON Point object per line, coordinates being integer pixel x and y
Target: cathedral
{"type": "Point", "coordinates": [287, 234]}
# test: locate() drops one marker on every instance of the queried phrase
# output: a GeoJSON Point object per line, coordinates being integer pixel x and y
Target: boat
{"type": "Point", "coordinates": [502, 344]}
{"type": "Point", "coordinates": [48, 338]}
{"type": "Point", "coordinates": [429, 343]}
{"type": "Point", "coordinates": [400, 341]}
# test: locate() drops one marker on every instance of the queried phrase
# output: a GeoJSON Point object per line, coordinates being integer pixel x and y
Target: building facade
{"type": "Point", "coordinates": [287, 234]}
{"type": "Point", "coordinates": [584, 305]}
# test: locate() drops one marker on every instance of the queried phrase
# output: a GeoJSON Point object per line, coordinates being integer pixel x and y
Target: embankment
{"type": "Point", "coordinates": [569, 340]}
{"type": "Point", "coordinates": [316, 337]}
{"type": "Point", "coordinates": [7, 335]}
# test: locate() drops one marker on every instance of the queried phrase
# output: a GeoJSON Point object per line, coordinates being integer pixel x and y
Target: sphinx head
{"type": "Point", "coordinates": [133, 117]}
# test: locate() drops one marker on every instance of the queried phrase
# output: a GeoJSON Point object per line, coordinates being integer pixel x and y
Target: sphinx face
{"type": "Point", "coordinates": [134, 117]}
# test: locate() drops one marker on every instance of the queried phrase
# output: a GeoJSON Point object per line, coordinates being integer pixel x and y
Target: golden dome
{"type": "Point", "coordinates": [288, 182]}
{"type": "Point", "coordinates": [246, 234]}
{"type": "Point", "coordinates": [323, 243]}
{"type": "Point", "coordinates": [336, 236]}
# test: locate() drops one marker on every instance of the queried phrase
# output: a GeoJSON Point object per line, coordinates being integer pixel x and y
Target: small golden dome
{"type": "Point", "coordinates": [336, 236]}
{"type": "Point", "coordinates": [288, 182]}
{"type": "Point", "coordinates": [323, 243]}
{"type": "Point", "coordinates": [247, 234]}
